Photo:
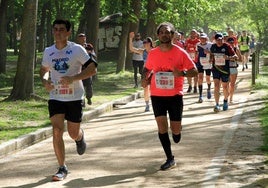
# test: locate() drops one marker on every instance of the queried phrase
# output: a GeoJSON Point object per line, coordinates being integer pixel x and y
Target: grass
{"type": "Point", "coordinates": [22, 117]}
{"type": "Point", "coordinates": [262, 85]}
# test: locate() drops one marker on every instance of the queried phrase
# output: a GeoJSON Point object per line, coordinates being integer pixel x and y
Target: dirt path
{"type": "Point", "coordinates": [217, 150]}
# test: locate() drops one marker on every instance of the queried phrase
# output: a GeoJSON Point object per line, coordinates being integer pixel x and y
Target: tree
{"type": "Point", "coordinates": [151, 25]}
{"type": "Point", "coordinates": [3, 31]}
{"type": "Point", "coordinates": [23, 82]}
{"type": "Point", "coordinates": [92, 24]}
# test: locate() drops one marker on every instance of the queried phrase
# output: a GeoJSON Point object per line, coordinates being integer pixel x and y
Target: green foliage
{"type": "Point", "coordinates": [262, 86]}
{"type": "Point", "coordinates": [21, 117]}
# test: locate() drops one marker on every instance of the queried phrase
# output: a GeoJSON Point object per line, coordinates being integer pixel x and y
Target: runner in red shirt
{"type": "Point", "coordinates": [169, 64]}
{"type": "Point", "coordinates": [191, 47]}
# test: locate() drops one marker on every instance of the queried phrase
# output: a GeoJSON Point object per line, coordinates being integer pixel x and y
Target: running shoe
{"type": "Point", "coordinates": [225, 106]}
{"type": "Point", "coordinates": [81, 145]}
{"type": "Point", "coordinates": [208, 94]}
{"type": "Point", "coordinates": [200, 100]}
{"type": "Point", "coordinates": [217, 108]}
{"type": "Point", "coordinates": [189, 89]}
{"type": "Point", "coordinates": [61, 174]}
{"type": "Point", "coordinates": [89, 101]}
{"type": "Point", "coordinates": [147, 108]}
{"type": "Point", "coordinates": [170, 163]}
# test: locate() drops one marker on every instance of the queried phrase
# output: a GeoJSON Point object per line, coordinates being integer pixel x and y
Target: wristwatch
{"type": "Point", "coordinates": [183, 73]}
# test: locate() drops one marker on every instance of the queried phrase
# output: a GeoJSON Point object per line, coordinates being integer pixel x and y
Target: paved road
{"type": "Point", "coordinates": [124, 150]}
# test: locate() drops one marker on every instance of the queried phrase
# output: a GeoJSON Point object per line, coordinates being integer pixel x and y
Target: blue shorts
{"type": "Point", "coordinates": [71, 109]}
{"type": "Point", "coordinates": [171, 104]}
{"type": "Point", "coordinates": [233, 71]}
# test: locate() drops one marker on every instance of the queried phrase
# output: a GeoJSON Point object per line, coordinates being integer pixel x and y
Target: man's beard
{"type": "Point", "coordinates": [165, 41]}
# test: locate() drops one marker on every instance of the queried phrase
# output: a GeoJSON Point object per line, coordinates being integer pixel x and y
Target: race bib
{"type": "Point", "coordinates": [205, 62]}
{"type": "Point", "coordinates": [192, 55]}
{"type": "Point", "coordinates": [164, 80]}
{"type": "Point", "coordinates": [219, 59]}
{"type": "Point", "coordinates": [64, 91]}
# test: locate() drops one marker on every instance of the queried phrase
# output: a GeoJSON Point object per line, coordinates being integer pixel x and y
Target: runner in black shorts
{"type": "Point", "coordinates": [62, 77]}
{"type": "Point", "coordinates": [169, 64]}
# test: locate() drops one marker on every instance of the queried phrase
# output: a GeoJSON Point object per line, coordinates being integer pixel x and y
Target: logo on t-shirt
{"type": "Point", "coordinates": [69, 51]}
{"type": "Point", "coordinates": [61, 64]}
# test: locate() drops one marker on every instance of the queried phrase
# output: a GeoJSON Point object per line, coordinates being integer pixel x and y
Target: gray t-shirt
{"type": "Point", "coordinates": [137, 44]}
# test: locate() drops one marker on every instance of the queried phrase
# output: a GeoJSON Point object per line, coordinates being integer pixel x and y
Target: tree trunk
{"type": "Point", "coordinates": [24, 79]}
{"type": "Point", "coordinates": [3, 39]}
{"type": "Point", "coordinates": [82, 20]}
{"type": "Point", "coordinates": [92, 25]}
{"type": "Point", "coordinates": [134, 26]}
{"type": "Point", "coordinates": [49, 39]}
{"type": "Point", "coordinates": [151, 25]}
{"type": "Point", "coordinates": [123, 48]}
{"type": "Point", "coordinates": [41, 28]}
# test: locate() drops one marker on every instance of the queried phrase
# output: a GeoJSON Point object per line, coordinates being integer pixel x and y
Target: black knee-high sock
{"type": "Point", "coordinates": [209, 85]}
{"type": "Point", "coordinates": [164, 139]}
{"type": "Point", "coordinates": [200, 87]}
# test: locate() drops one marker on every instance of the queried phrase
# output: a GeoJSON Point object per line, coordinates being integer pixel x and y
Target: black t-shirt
{"type": "Point", "coordinates": [225, 49]}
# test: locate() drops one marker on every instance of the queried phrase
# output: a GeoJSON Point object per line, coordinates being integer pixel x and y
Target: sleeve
{"type": "Point", "coordinates": [188, 63]}
{"type": "Point", "coordinates": [45, 61]}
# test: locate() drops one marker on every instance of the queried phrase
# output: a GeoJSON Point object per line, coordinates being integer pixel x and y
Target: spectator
{"type": "Point", "coordinates": [137, 59]}
{"type": "Point", "coordinates": [87, 83]}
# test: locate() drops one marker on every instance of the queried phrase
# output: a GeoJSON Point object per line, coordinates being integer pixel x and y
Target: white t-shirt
{"type": "Point", "coordinates": [65, 62]}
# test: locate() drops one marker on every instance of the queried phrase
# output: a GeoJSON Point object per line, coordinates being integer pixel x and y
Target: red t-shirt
{"type": "Point", "coordinates": [191, 47]}
{"type": "Point", "coordinates": [159, 61]}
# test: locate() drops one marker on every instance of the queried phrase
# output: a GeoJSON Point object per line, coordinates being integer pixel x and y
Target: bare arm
{"type": "Point", "coordinates": [86, 73]}
{"type": "Point", "coordinates": [239, 55]}
{"type": "Point", "coordinates": [44, 75]}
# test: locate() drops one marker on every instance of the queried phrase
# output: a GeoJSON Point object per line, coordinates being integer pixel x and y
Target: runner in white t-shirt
{"type": "Point", "coordinates": [61, 75]}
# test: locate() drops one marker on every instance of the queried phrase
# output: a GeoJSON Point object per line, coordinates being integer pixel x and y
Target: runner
{"type": "Point", "coordinates": [233, 68]}
{"type": "Point", "coordinates": [147, 46]}
{"type": "Point", "coordinates": [169, 64]}
{"type": "Point", "coordinates": [203, 65]}
{"type": "Point", "coordinates": [220, 56]}
{"type": "Point", "coordinates": [61, 75]}
{"type": "Point", "coordinates": [244, 42]}
{"type": "Point", "coordinates": [191, 48]}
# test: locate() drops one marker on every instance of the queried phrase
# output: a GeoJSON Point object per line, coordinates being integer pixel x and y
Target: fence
{"type": "Point", "coordinates": [255, 63]}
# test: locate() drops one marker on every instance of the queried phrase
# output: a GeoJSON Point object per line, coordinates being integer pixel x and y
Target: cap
{"type": "Point", "coordinates": [218, 36]}
{"type": "Point", "coordinates": [225, 34]}
{"type": "Point", "coordinates": [81, 35]}
{"type": "Point", "coordinates": [203, 35]}
{"type": "Point", "coordinates": [148, 40]}
{"type": "Point", "coordinates": [194, 30]}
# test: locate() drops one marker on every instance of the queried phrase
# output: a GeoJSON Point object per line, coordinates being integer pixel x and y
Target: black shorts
{"type": "Point", "coordinates": [173, 105]}
{"type": "Point", "coordinates": [71, 109]}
